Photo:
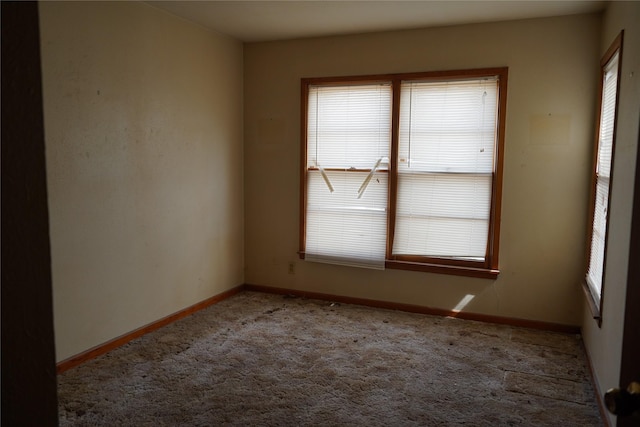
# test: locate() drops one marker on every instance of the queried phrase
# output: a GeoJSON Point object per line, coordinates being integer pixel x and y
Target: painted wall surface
{"type": "Point", "coordinates": [604, 344]}
{"type": "Point", "coordinates": [143, 123]}
{"type": "Point", "coordinates": [552, 79]}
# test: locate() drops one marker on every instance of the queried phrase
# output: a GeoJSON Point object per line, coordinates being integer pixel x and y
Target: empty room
{"type": "Point", "coordinates": [337, 213]}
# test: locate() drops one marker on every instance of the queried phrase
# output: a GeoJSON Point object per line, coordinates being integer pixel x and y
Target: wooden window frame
{"type": "Point", "coordinates": [482, 269]}
{"type": "Point", "coordinates": [595, 306]}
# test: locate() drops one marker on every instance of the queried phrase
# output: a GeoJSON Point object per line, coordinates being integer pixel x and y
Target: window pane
{"type": "Point", "coordinates": [607, 116]}
{"type": "Point", "coordinates": [349, 126]}
{"type": "Point", "coordinates": [448, 126]}
{"type": "Point", "coordinates": [342, 228]}
{"type": "Point", "coordinates": [443, 215]}
{"type": "Point", "coordinates": [596, 261]}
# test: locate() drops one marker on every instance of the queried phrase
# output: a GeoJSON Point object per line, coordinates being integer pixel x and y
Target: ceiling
{"type": "Point", "coordinates": [255, 21]}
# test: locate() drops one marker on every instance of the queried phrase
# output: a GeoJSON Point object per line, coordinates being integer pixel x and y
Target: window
{"type": "Point", "coordinates": [601, 178]}
{"type": "Point", "coordinates": [348, 144]}
{"type": "Point", "coordinates": [404, 171]}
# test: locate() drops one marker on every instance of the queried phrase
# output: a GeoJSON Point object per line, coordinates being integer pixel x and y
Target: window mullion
{"type": "Point", "coordinates": [304, 90]}
{"type": "Point", "coordinates": [393, 166]}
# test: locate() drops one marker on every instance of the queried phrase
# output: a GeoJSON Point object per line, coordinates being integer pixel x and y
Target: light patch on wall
{"type": "Point", "coordinates": [549, 129]}
{"type": "Point", "coordinates": [463, 302]}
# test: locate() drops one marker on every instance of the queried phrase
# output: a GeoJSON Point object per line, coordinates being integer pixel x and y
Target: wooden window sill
{"type": "Point", "coordinates": [454, 270]}
{"type": "Point", "coordinates": [593, 306]}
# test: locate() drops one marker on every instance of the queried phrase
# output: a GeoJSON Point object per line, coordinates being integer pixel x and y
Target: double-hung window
{"type": "Point", "coordinates": [601, 178]}
{"type": "Point", "coordinates": [348, 146]}
{"type": "Point", "coordinates": [404, 171]}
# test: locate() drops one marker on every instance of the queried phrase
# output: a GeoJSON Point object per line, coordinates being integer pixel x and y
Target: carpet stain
{"type": "Point", "coordinates": [548, 387]}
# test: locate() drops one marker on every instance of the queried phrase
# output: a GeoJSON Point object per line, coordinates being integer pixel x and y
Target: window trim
{"type": "Point", "coordinates": [595, 306]}
{"type": "Point", "coordinates": [487, 269]}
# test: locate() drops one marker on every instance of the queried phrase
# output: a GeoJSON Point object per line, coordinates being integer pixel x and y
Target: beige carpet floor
{"type": "Point", "coordinates": [272, 360]}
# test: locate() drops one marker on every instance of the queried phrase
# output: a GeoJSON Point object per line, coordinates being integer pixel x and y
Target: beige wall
{"type": "Point", "coordinates": [604, 344]}
{"type": "Point", "coordinates": [552, 79]}
{"type": "Point", "coordinates": [143, 122]}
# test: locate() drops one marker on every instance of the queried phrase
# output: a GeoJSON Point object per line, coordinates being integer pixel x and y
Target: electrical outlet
{"type": "Point", "coordinates": [292, 268]}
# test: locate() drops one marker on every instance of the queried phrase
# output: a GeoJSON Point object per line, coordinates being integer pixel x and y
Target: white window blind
{"type": "Point", "coordinates": [603, 175]}
{"type": "Point", "coordinates": [348, 143]}
{"type": "Point", "coordinates": [446, 153]}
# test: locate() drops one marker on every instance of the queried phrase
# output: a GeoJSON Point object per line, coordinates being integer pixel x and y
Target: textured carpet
{"type": "Point", "coordinates": [260, 359]}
